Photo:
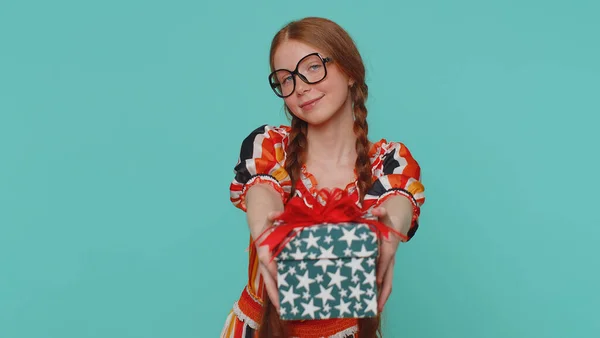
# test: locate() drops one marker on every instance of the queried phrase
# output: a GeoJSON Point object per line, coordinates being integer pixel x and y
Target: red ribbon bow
{"type": "Point", "coordinates": [340, 207]}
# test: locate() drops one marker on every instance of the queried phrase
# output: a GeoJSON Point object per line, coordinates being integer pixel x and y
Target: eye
{"type": "Point", "coordinates": [314, 67]}
{"type": "Point", "coordinates": [286, 79]}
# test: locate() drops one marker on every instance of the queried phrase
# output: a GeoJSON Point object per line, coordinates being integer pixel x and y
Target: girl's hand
{"type": "Point", "coordinates": [268, 268]}
{"type": "Point", "coordinates": [387, 254]}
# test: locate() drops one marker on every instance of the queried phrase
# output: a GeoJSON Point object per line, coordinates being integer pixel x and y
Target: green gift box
{"type": "Point", "coordinates": [328, 271]}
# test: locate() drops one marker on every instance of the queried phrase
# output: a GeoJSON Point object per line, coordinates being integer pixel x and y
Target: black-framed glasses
{"type": "Point", "coordinates": [310, 69]}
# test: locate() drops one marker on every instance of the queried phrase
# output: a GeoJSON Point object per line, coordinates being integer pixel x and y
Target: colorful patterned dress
{"type": "Point", "coordinates": [262, 158]}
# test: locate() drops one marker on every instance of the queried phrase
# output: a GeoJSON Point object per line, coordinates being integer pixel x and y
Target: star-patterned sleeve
{"type": "Point", "coordinates": [398, 174]}
{"type": "Point", "coordinates": [261, 160]}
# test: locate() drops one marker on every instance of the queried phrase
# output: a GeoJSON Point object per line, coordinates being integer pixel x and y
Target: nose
{"type": "Point", "coordinates": [301, 86]}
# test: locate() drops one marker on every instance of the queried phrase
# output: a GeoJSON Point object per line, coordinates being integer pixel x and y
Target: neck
{"type": "Point", "coordinates": [333, 142]}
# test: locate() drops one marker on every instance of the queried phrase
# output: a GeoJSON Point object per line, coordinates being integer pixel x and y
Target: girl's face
{"type": "Point", "coordinates": [314, 103]}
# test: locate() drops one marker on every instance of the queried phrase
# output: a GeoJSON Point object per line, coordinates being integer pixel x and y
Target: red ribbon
{"type": "Point", "coordinates": [340, 207]}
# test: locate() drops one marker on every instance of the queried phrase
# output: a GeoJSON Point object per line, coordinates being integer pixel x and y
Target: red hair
{"type": "Point", "coordinates": [336, 43]}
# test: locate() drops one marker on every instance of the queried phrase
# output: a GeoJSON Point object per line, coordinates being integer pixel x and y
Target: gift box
{"type": "Point", "coordinates": [328, 271]}
{"type": "Point", "coordinates": [326, 254]}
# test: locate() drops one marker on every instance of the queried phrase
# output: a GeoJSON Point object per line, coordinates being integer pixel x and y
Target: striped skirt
{"type": "Point", "coordinates": [237, 328]}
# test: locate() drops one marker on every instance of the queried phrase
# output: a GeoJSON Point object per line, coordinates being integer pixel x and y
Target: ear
{"type": "Point", "coordinates": [350, 83]}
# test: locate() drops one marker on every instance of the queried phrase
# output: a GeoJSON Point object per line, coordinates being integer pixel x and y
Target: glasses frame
{"type": "Point", "coordinates": [295, 72]}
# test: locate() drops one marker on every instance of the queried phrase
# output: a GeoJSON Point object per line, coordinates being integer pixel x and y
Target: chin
{"type": "Point", "coordinates": [319, 117]}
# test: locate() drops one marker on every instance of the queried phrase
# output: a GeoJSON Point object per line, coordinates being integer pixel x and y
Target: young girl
{"type": "Point", "coordinates": [319, 74]}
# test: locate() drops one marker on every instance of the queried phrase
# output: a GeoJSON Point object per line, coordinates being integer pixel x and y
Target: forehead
{"type": "Point", "coordinates": [290, 52]}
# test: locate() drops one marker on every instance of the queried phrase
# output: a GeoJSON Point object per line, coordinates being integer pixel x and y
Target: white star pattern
{"type": "Point", "coordinates": [355, 264]}
{"type": "Point", "coordinates": [364, 253]}
{"type": "Point", "coordinates": [325, 294]}
{"type": "Point", "coordinates": [289, 296]}
{"type": "Point", "coordinates": [328, 272]}
{"type": "Point", "coordinates": [371, 305]}
{"type": "Point", "coordinates": [336, 278]}
{"type": "Point", "coordinates": [311, 241]}
{"type": "Point", "coordinates": [310, 308]}
{"type": "Point", "coordinates": [304, 281]}
{"type": "Point", "coordinates": [327, 253]}
{"type": "Point", "coordinates": [374, 235]}
{"type": "Point", "coordinates": [298, 255]}
{"type": "Point", "coordinates": [324, 263]}
{"type": "Point", "coordinates": [295, 310]}
{"type": "Point", "coordinates": [281, 279]}
{"type": "Point", "coordinates": [343, 307]}
{"type": "Point", "coordinates": [356, 292]}
{"type": "Point", "coordinates": [369, 278]}
{"type": "Point", "coordinates": [349, 236]}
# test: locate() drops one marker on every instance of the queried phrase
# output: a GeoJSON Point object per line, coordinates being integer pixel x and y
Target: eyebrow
{"type": "Point", "coordinates": [296, 63]}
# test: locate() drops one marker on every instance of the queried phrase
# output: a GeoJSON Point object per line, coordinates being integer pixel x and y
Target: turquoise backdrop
{"type": "Point", "coordinates": [121, 121]}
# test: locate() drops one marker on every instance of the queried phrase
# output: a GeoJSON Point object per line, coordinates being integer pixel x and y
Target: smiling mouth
{"type": "Point", "coordinates": [311, 102]}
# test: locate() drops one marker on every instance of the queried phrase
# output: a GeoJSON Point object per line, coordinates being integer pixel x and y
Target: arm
{"type": "Point", "coordinates": [398, 189]}
{"type": "Point", "coordinates": [399, 213]}
{"type": "Point", "coordinates": [397, 196]}
{"type": "Point", "coordinates": [259, 188]}
{"type": "Point", "coordinates": [261, 201]}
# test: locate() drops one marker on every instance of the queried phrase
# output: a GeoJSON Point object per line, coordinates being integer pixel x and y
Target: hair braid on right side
{"type": "Point", "coordinates": [296, 151]}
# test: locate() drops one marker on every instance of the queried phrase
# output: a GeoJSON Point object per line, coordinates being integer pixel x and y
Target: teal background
{"type": "Point", "coordinates": [120, 124]}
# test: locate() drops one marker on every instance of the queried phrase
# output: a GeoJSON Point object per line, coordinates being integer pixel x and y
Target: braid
{"type": "Point", "coordinates": [296, 152]}
{"type": "Point", "coordinates": [361, 129]}
{"type": "Point", "coordinates": [271, 325]}
{"type": "Point", "coordinates": [368, 327]}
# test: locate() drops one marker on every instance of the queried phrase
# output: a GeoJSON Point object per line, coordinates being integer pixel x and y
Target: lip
{"type": "Point", "coordinates": [310, 102]}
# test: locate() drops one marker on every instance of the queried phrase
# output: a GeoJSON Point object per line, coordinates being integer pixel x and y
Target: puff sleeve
{"type": "Point", "coordinates": [397, 173]}
{"type": "Point", "coordinates": [261, 160]}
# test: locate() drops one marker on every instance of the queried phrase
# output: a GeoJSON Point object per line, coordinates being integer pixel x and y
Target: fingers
{"type": "Point", "coordinates": [272, 268]}
{"type": "Point", "coordinates": [385, 271]}
{"type": "Point", "coordinates": [387, 251]}
{"type": "Point", "coordinates": [386, 288]}
{"type": "Point", "coordinates": [383, 266]}
{"type": "Point", "coordinates": [268, 271]}
{"type": "Point", "coordinates": [273, 215]}
{"type": "Point", "coordinates": [379, 212]}
{"type": "Point", "coordinates": [270, 285]}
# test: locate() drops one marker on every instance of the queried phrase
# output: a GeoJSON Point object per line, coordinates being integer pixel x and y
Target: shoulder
{"type": "Point", "coordinates": [269, 134]}
{"type": "Point", "coordinates": [265, 140]}
{"type": "Point", "coordinates": [273, 131]}
{"type": "Point", "coordinates": [388, 157]}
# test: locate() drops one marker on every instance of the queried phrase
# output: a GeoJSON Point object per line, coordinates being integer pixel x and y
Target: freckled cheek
{"type": "Point", "coordinates": [291, 102]}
